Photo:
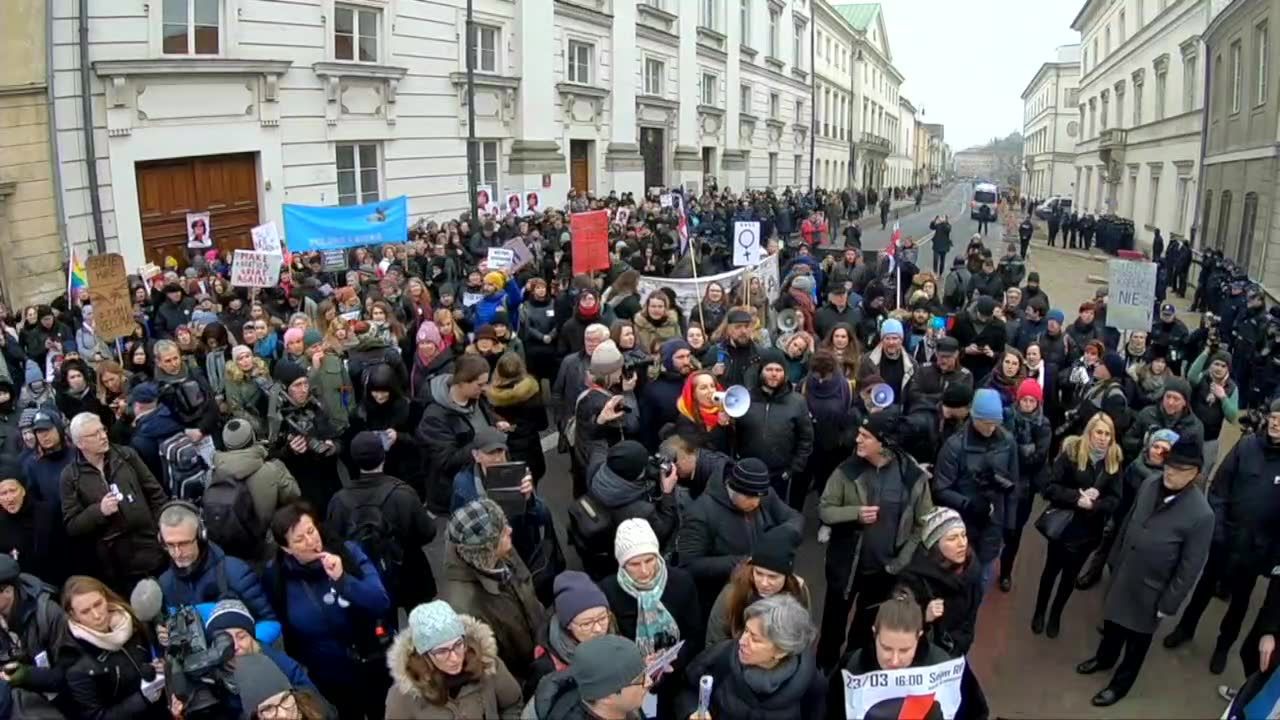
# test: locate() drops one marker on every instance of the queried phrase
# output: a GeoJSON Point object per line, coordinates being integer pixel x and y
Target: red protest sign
{"type": "Point", "coordinates": [590, 232]}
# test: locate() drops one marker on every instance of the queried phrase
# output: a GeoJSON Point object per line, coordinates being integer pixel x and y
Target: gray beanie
{"type": "Point", "coordinates": [937, 523]}
{"type": "Point", "coordinates": [237, 434]}
{"type": "Point", "coordinates": [606, 360]}
{"type": "Point", "coordinates": [605, 665]}
{"type": "Point", "coordinates": [803, 283]}
{"type": "Point", "coordinates": [257, 678]}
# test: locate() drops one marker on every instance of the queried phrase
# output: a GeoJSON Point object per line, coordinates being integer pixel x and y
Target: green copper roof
{"type": "Point", "coordinates": [859, 15]}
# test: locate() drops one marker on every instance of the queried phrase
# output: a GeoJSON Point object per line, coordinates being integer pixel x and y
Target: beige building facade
{"type": "Point", "coordinates": [32, 260]}
{"type": "Point", "coordinates": [1239, 201]}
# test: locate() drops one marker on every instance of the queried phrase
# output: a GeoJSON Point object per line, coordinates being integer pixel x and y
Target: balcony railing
{"type": "Point", "coordinates": [1112, 138]}
{"type": "Point", "coordinates": [875, 141]}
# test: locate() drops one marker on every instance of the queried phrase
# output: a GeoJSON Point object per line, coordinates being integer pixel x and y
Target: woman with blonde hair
{"type": "Point", "coordinates": [1083, 490]}
{"type": "Point", "coordinates": [114, 646]}
{"type": "Point", "coordinates": [248, 387]}
{"type": "Point", "coordinates": [113, 387]}
{"type": "Point", "coordinates": [450, 334]}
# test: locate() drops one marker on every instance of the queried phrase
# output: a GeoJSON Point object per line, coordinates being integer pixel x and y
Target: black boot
{"type": "Point", "coordinates": [1218, 662]}
{"type": "Point", "coordinates": [1051, 630]}
{"type": "Point", "coordinates": [1037, 623]}
{"type": "Point", "coordinates": [1177, 638]}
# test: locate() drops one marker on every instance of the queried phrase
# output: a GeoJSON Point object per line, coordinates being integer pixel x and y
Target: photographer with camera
{"type": "Point", "coordinates": [232, 619]}
{"type": "Point", "coordinates": [625, 483]}
{"type": "Point", "coordinates": [303, 435]}
{"type": "Point", "coordinates": [38, 648]}
{"type": "Point", "coordinates": [201, 573]}
{"type": "Point", "coordinates": [115, 675]}
{"type": "Point", "coordinates": [977, 475]}
{"type": "Point", "coordinates": [606, 411]}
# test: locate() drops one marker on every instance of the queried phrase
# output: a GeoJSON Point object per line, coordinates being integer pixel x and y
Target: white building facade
{"type": "Point", "coordinates": [1051, 125]}
{"type": "Point", "coordinates": [835, 50]}
{"type": "Point", "coordinates": [902, 160]}
{"type": "Point", "coordinates": [235, 107]}
{"type": "Point", "coordinates": [1139, 109]}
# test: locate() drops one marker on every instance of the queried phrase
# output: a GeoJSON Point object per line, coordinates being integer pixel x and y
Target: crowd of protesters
{"type": "Point", "coordinates": [332, 425]}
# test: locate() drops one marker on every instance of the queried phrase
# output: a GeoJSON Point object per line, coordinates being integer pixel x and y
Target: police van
{"type": "Point", "coordinates": [984, 194]}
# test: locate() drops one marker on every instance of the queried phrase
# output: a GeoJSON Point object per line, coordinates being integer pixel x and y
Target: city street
{"type": "Point", "coordinates": [1022, 674]}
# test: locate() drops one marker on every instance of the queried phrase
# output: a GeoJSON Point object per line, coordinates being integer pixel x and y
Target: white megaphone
{"type": "Point", "coordinates": [736, 401]}
{"type": "Point", "coordinates": [881, 395]}
{"type": "Point", "coordinates": [788, 321]}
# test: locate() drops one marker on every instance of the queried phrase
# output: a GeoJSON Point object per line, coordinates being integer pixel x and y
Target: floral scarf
{"type": "Point", "coordinates": [652, 618]}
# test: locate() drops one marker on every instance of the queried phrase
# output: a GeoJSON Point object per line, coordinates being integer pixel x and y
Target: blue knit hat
{"type": "Point", "coordinates": [987, 406]}
{"type": "Point", "coordinates": [1058, 315]}
{"type": "Point", "coordinates": [892, 326]}
{"type": "Point", "coordinates": [434, 624]}
{"type": "Point", "coordinates": [669, 350]}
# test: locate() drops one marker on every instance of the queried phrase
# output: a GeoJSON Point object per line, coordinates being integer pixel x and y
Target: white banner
{"type": "Point", "coordinates": [266, 238]}
{"type": "Point", "coordinates": [501, 258]}
{"type": "Point", "coordinates": [1131, 294]}
{"type": "Point", "coordinates": [250, 268]}
{"type": "Point", "coordinates": [746, 243]}
{"type": "Point", "coordinates": [884, 693]}
{"type": "Point", "coordinates": [689, 291]}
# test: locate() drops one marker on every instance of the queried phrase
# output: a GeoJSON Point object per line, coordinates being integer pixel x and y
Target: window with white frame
{"type": "Point", "coordinates": [191, 27]}
{"type": "Point", "coordinates": [654, 74]}
{"type": "Point", "coordinates": [707, 14]}
{"type": "Point", "coordinates": [579, 57]}
{"type": "Point", "coordinates": [709, 81]}
{"type": "Point", "coordinates": [798, 161]}
{"type": "Point", "coordinates": [359, 179]}
{"type": "Point", "coordinates": [488, 164]}
{"type": "Point", "coordinates": [1139, 15]}
{"type": "Point", "coordinates": [800, 118]}
{"type": "Point", "coordinates": [1237, 76]}
{"type": "Point", "coordinates": [1189, 84]}
{"type": "Point", "coordinates": [773, 33]}
{"type": "Point", "coordinates": [744, 99]}
{"type": "Point", "coordinates": [655, 3]}
{"type": "Point", "coordinates": [1106, 42]}
{"type": "Point", "coordinates": [1153, 200]}
{"type": "Point", "coordinates": [744, 20]}
{"type": "Point", "coordinates": [773, 169]}
{"type": "Point", "coordinates": [1184, 198]}
{"type": "Point", "coordinates": [798, 47]}
{"type": "Point", "coordinates": [774, 103]}
{"type": "Point", "coordinates": [355, 33]}
{"type": "Point", "coordinates": [1261, 47]}
{"type": "Point", "coordinates": [1162, 84]}
{"type": "Point", "coordinates": [484, 48]}
{"type": "Point", "coordinates": [1120, 25]}
{"type": "Point", "coordinates": [1137, 104]}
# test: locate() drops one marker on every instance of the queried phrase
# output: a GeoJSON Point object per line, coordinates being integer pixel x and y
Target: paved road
{"type": "Point", "coordinates": [1024, 676]}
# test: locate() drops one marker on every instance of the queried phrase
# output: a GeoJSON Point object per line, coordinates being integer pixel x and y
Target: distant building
{"type": "Point", "coordinates": [976, 162]}
{"type": "Point", "coordinates": [1140, 105]}
{"type": "Point", "coordinates": [1240, 193]}
{"type": "Point", "coordinates": [1050, 126]}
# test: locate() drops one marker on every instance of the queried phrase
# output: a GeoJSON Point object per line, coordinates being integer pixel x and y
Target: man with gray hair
{"type": "Point", "coordinates": [111, 499]}
{"type": "Point", "coordinates": [185, 391]}
{"type": "Point", "coordinates": [200, 572]}
{"type": "Point", "coordinates": [571, 380]}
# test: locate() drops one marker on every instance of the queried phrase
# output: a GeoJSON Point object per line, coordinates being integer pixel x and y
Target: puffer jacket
{"type": "Point", "coordinates": [422, 692]}
{"type": "Point", "coordinates": [647, 330]}
{"type": "Point", "coordinates": [106, 685]}
{"type": "Point", "coordinates": [1153, 418]}
{"type": "Point", "coordinates": [215, 576]}
{"type": "Point", "coordinates": [776, 429]}
{"type": "Point", "coordinates": [963, 480]}
{"type": "Point", "coordinates": [626, 499]}
{"type": "Point", "coordinates": [445, 432]}
{"type": "Point", "coordinates": [270, 482]}
{"type": "Point", "coordinates": [558, 698]}
{"type": "Point", "coordinates": [960, 592]}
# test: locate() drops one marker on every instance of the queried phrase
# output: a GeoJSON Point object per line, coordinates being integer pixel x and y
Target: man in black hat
{"type": "Point", "coordinates": [38, 644]}
{"type": "Point", "coordinates": [836, 310]}
{"type": "Point", "coordinates": [174, 311]}
{"type": "Point", "coordinates": [875, 504]}
{"type": "Point", "coordinates": [738, 351]}
{"type": "Point", "coordinates": [776, 428]}
{"type": "Point", "coordinates": [387, 518]}
{"type": "Point", "coordinates": [929, 381]}
{"type": "Point", "coordinates": [1159, 556]}
{"type": "Point", "coordinates": [1172, 333]}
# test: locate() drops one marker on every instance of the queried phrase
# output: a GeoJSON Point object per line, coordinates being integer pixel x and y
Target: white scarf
{"type": "Point", "coordinates": [112, 640]}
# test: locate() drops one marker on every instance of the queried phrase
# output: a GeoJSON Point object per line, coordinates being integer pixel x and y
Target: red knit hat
{"type": "Point", "coordinates": [1031, 388]}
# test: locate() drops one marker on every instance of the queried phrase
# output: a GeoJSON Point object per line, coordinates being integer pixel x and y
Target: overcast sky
{"type": "Point", "coordinates": [967, 62]}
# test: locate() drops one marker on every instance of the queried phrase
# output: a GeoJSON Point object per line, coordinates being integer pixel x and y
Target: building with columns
{"type": "Point", "coordinates": [1050, 126]}
{"type": "Point", "coordinates": [930, 158]}
{"type": "Point", "coordinates": [235, 107]}
{"type": "Point", "coordinates": [902, 161]}
{"type": "Point", "coordinates": [834, 92]}
{"type": "Point", "coordinates": [1139, 107]}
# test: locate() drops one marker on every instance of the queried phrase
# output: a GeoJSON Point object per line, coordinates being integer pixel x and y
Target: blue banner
{"type": "Point", "coordinates": [307, 228]}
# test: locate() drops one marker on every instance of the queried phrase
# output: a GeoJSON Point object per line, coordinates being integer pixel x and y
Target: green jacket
{"type": "Point", "coordinates": [247, 400]}
{"type": "Point", "coordinates": [331, 383]}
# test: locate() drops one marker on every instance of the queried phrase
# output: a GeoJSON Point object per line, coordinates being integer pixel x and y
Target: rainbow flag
{"type": "Point", "coordinates": [76, 277]}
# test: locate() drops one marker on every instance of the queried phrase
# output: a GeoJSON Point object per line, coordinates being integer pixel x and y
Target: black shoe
{"type": "Point", "coordinates": [1106, 697]}
{"type": "Point", "coordinates": [1177, 638]}
{"type": "Point", "coordinates": [1218, 662]}
{"type": "Point", "coordinates": [1006, 584]}
{"type": "Point", "coordinates": [1051, 630]}
{"type": "Point", "coordinates": [1091, 666]}
{"type": "Point", "coordinates": [1090, 577]}
{"type": "Point", "coordinates": [1037, 624]}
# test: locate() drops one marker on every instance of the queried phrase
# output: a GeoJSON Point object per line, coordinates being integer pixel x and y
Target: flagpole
{"type": "Point", "coordinates": [693, 261]}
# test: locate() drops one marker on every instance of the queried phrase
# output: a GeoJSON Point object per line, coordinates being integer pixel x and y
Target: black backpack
{"type": "Point", "coordinates": [185, 472]}
{"type": "Point", "coordinates": [230, 519]}
{"type": "Point", "coordinates": [186, 398]}
{"type": "Point", "coordinates": [367, 526]}
{"type": "Point", "coordinates": [591, 532]}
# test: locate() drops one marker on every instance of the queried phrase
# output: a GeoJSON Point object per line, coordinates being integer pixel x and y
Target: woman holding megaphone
{"type": "Point", "coordinates": [706, 411]}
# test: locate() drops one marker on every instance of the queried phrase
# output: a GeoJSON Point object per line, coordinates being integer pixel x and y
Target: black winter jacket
{"type": "Point", "coordinates": [1246, 505]}
{"type": "Point", "coordinates": [680, 598]}
{"type": "Point", "coordinates": [776, 429]}
{"type": "Point", "coordinates": [965, 480]}
{"type": "Point", "coordinates": [960, 593]}
{"type": "Point", "coordinates": [106, 685]}
{"type": "Point", "coordinates": [801, 696]}
{"type": "Point", "coordinates": [1062, 490]}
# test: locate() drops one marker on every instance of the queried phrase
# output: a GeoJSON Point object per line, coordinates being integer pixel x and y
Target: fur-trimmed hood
{"type": "Point", "coordinates": [429, 688]}
{"type": "Point", "coordinates": [506, 395]}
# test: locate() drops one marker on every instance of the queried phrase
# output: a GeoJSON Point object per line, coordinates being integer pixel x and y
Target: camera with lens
{"type": "Point", "coordinates": [196, 670]}
{"type": "Point", "coordinates": [633, 365]}
{"type": "Point", "coordinates": [658, 467]}
{"type": "Point", "coordinates": [304, 424]}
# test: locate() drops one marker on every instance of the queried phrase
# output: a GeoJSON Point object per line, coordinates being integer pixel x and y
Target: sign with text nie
{"type": "Point", "coordinates": [1132, 294]}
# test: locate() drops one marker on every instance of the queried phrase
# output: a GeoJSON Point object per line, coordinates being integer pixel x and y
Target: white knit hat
{"type": "Point", "coordinates": [634, 537]}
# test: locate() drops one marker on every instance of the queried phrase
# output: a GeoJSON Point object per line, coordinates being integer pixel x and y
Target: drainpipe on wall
{"type": "Point", "coordinates": [1204, 141]}
{"type": "Point", "coordinates": [54, 154]}
{"type": "Point", "coordinates": [813, 93]}
{"type": "Point", "coordinates": [86, 114]}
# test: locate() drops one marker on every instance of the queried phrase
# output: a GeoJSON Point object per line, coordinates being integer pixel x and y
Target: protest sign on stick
{"type": "Point", "coordinates": [250, 268]}
{"type": "Point", "coordinates": [110, 296]}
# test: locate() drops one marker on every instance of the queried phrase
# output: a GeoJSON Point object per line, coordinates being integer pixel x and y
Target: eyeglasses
{"type": "Point", "coordinates": [598, 623]}
{"type": "Point", "coordinates": [457, 647]}
{"type": "Point", "coordinates": [174, 547]}
{"type": "Point", "coordinates": [279, 709]}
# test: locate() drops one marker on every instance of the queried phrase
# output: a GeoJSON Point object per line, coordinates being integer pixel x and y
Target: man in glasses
{"type": "Point", "coordinates": [606, 680]}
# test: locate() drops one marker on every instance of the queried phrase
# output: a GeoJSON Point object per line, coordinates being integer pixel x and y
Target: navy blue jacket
{"type": "Point", "coordinates": [201, 584]}
{"type": "Point", "coordinates": [150, 430]}
{"type": "Point", "coordinates": [320, 635]}
{"type": "Point", "coordinates": [658, 406]}
{"type": "Point", "coordinates": [962, 481]}
{"type": "Point", "coordinates": [292, 669]}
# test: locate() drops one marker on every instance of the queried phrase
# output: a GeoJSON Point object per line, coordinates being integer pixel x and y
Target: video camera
{"type": "Point", "coordinates": [658, 467]}
{"type": "Point", "coordinates": [304, 424]}
{"type": "Point", "coordinates": [633, 365]}
{"type": "Point", "coordinates": [196, 671]}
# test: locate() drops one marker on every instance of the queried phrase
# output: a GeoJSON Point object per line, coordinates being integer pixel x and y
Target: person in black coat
{"type": "Point", "coordinates": [448, 425]}
{"type": "Point", "coordinates": [1033, 434]}
{"type": "Point", "coordinates": [540, 331]}
{"type": "Point", "coordinates": [1084, 485]}
{"type": "Point", "coordinates": [946, 580]}
{"type": "Point", "coordinates": [941, 244]}
{"type": "Point", "coordinates": [515, 397]}
{"type": "Point", "coordinates": [174, 311]}
{"type": "Point", "coordinates": [981, 337]}
{"type": "Point", "coordinates": [621, 485]}
{"type": "Point", "coordinates": [408, 577]}
{"type": "Point", "coordinates": [776, 428]}
{"type": "Point", "coordinates": [654, 604]}
{"type": "Point", "coordinates": [658, 397]}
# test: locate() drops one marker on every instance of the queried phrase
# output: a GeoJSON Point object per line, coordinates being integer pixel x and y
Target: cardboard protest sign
{"type": "Point", "coordinates": [109, 293]}
{"type": "Point", "coordinates": [250, 268]}
{"type": "Point", "coordinates": [1132, 294]}
{"type": "Point", "coordinates": [266, 238]}
{"type": "Point", "coordinates": [334, 260]}
{"type": "Point", "coordinates": [521, 254]}
{"type": "Point", "coordinates": [590, 233]}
